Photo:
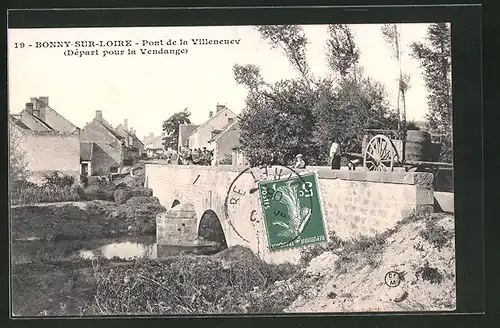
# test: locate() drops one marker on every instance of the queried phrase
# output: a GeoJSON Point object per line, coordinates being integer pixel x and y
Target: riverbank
{"type": "Point", "coordinates": [83, 220]}
{"type": "Point", "coordinates": [232, 281]}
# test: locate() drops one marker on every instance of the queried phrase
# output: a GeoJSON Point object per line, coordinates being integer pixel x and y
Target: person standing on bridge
{"type": "Point", "coordinates": [300, 164]}
{"type": "Point", "coordinates": [335, 156]}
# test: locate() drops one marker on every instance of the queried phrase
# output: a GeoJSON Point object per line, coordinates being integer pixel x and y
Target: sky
{"type": "Point", "coordinates": [147, 89]}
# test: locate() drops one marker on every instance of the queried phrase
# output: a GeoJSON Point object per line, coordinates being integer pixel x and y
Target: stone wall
{"type": "Point", "coordinates": [177, 226]}
{"type": "Point", "coordinates": [354, 202]}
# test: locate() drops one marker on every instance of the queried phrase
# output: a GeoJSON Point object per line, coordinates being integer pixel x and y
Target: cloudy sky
{"type": "Point", "coordinates": [147, 89]}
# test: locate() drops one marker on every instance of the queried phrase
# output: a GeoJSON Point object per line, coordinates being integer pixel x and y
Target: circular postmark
{"type": "Point", "coordinates": [279, 197]}
{"type": "Point", "coordinates": [392, 279]}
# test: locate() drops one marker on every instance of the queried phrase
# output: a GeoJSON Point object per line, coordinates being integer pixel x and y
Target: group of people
{"type": "Point", "coordinates": [197, 156]}
{"type": "Point", "coordinates": [335, 158]}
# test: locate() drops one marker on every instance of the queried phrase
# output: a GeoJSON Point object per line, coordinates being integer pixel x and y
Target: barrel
{"type": "Point", "coordinates": [418, 146]}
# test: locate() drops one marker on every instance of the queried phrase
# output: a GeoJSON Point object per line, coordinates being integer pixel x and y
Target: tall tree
{"type": "Point", "coordinates": [435, 58]}
{"type": "Point", "coordinates": [392, 35]}
{"type": "Point", "coordinates": [171, 128]}
{"type": "Point", "coordinates": [278, 122]}
{"type": "Point", "coordinates": [291, 39]}
{"type": "Point", "coordinates": [343, 111]}
{"type": "Point", "coordinates": [342, 53]}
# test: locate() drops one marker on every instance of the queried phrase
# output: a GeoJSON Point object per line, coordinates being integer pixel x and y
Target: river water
{"type": "Point", "coordinates": [126, 248]}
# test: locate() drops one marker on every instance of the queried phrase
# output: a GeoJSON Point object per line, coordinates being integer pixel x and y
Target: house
{"type": "Point", "coordinates": [109, 152]}
{"type": "Point", "coordinates": [48, 141]}
{"type": "Point", "coordinates": [153, 145]}
{"type": "Point", "coordinates": [135, 145]}
{"type": "Point", "coordinates": [224, 142]}
{"type": "Point", "coordinates": [215, 124]}
{"type": "Point", "coordinates": [184, 131]}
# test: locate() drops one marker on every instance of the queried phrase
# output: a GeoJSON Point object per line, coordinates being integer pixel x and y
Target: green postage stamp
{"type": "Point", "coordinates": [292, 212]}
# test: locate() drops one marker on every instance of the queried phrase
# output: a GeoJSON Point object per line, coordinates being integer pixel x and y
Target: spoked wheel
{"type": "Point", "coordinates": [379, 154]}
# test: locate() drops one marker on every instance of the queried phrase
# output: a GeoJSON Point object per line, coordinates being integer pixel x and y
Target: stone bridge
{"type": "Point", "coordinates": [354, 203]}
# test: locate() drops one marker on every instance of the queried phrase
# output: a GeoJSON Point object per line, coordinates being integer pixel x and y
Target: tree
{"type": "Point", "coordinates": [304, 115]}
{"type": "Point", "coordinates": [344, 111]}
{"type": "Point", "coordinates": [277, 123]}
{"type": "Point", "coordinates": [171, 128]}
{"type": "Point", "coordinates": [435, 59]}
{"type": "Point", "coordinates": [293, 41]}
{"type": "Point", "coordinates": [342, 53]}
{"type": "Point", "coordinates": [392, 35]}
{"type": "Point", "coordinates": [18, 172]}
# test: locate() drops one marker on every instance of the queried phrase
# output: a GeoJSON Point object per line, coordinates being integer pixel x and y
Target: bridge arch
{"type": "Point", "coordinates": [210, 228]}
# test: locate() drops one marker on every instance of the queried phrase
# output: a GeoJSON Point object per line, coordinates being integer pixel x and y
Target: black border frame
{"type": "Point", "coordinates": [467, 100]}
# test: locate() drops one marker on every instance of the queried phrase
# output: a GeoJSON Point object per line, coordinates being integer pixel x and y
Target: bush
{"type": "Point", "coordinates": [435, 234]}
{"type": "Point", "coordinates": [308, 253]}
{"type": "Point", "coordinates": [45, 194]}
{"type": "Point", "coordinates": [193, 285]}
{"type": "Point", "coordinates": [142, 200]}
{"type": "Point", "coordinates": [227, 160]}
{"type": "Point", "coordinates": [122, 195]}
{"type": "Point", "coordinates": [58, 180]}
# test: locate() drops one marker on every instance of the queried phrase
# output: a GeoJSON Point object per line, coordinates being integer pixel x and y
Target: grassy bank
{"type": "Point", "coordinates": [350, 276]}
{"type": "Point", "coordinates": [83, 220]}
{"type": "Point", "coordinates": [233, 281]}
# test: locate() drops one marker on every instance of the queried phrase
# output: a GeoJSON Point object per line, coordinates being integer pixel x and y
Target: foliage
{"type": "Point", "coordinates": [435, 58]}
{"type": "Point", "coordinates": [227, 160]}
{"type": "Point", "coordinates": [430, 274]}
{"type": "Point", "coordinates": [293, 41]}
{"type": "Point", "coordinates": [278, 122]}
{"type": "Point", "coordinates": [342, 54]}
{"type": "Point", "coordinates": [305, 115]}
{"type": "Point", "coordinates": [436, 235]}
{"type": "Point", "coordinates": [171, 128]}
{"type": "Point", "coordinates": [18, 172]}
{"type": "Point", "coordinates": [46, 194]}
{"type": "Point", "coordinates": [342, 112]}
{"type": "Point", "coordinates": [193, 285]}
{"type": "Point", "coordinates": [85, 221]}
{"type": "Point", "coordinates": [57, 179]}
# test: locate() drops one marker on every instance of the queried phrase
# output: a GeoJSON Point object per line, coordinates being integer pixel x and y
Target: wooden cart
{"type": "Point", "coordinates": [383, 150]}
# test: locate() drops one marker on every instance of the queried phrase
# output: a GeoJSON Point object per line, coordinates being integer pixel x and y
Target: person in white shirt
{"type": "Point", "coordinates": [300, 164]}
{"type": "Point", "coordinates": [335, 156]}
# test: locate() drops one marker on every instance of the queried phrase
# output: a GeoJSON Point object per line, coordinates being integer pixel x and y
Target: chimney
{"type": "Point", "coordinates": [29, 107]}
{"type": "Point", "coordinates": [125, 124]}
{"type": "Point", "coordinates": [34, 101]}
{"type": "Point", "coordinates": [44, 100]}
{"type": "Point", "coordinates": [98, 114]}
{"type": "Point", "coordinates": [219, 108]}
{"type": "Point", "coordinates": [210, 114]}
{"type": "Point", "coordinates": [151, 134]}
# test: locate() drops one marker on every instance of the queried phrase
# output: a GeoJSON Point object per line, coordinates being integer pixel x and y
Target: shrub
{"type": "Point", "coordinates": [44, 194]}
{"type": "Point", "coordinates": [122, 195]}
{"type": "Point", "coordinates": [227, 160]}
{"type": "Point", "coordinates": [430, 274]}
{"type": "Point", "coordinates": [142, 200]}
{"type": "Point", "coordinates": [308, 253]}
{"type": "Point", "coordinates": [436, 235]}
{"type": "Point", "coordinates": [58, 180]}
{"type": "Point", "coordinates": [191, 285]}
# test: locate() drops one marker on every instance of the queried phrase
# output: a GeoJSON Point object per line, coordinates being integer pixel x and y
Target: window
{"type": "Point", "coordinates": [113, 169]}
{"type": "Point", "coordinates": [230, 120]}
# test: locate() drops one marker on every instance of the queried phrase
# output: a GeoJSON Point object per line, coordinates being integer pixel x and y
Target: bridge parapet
{"type": "Point", "coordinates": [355, 203]}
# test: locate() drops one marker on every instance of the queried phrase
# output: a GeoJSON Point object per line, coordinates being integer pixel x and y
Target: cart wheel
{"type": "Point", "coordinates": [379, 154]}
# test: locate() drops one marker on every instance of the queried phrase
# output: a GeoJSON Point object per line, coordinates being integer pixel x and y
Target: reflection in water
{"type": "Point", "coordinates": [86, 254]}
{"type": "Point", "coordinates": [128, 250]}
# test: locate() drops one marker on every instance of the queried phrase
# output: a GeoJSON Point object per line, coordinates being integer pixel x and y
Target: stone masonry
{"type": "Point", "coordinates": [354, 203]}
